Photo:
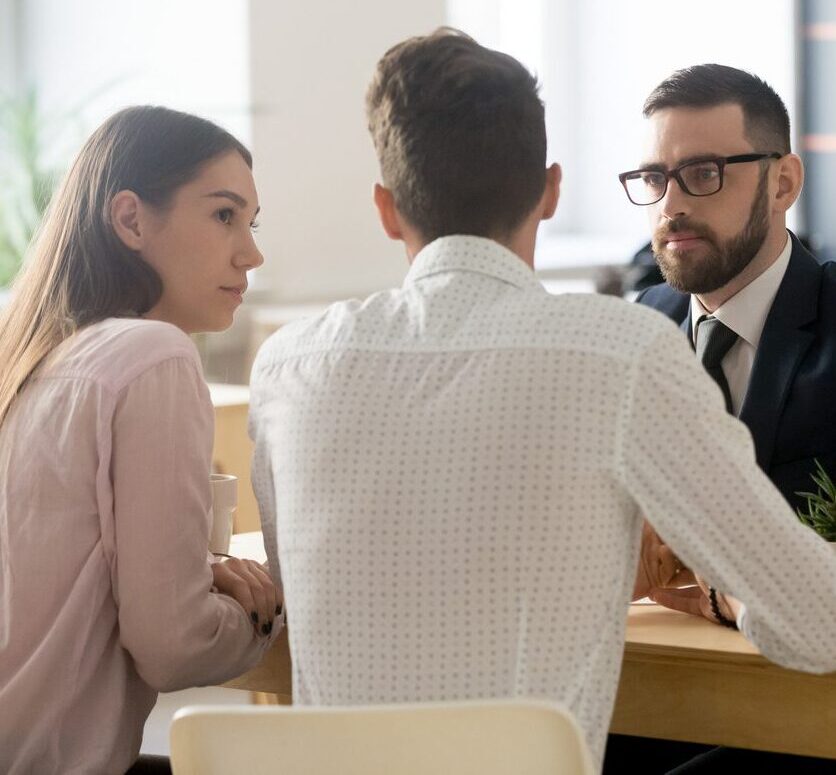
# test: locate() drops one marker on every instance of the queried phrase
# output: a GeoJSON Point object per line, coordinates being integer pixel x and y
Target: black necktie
{"type": "Point", "coordinates": [712, 340]}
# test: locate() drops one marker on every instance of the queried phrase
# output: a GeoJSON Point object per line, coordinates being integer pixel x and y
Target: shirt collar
{"type": "Point", "coordinates": [459, 253]}
{"type": "Point", "coordinates": [745, 312]}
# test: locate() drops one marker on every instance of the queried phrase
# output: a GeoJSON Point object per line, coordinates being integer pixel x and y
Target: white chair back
{"type": "Point", "coordinates": [510, 737]}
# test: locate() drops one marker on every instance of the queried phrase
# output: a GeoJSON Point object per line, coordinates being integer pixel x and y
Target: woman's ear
{"type": "Point", "coordinates": [125, 216]}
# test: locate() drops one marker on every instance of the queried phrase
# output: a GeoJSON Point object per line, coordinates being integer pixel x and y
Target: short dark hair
{"type": "Point", "coordinates": [460, 134]}
{"type": "Point", "coordinates": [767, 123]}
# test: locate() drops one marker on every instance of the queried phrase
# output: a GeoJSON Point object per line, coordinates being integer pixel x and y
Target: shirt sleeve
{"type": "Point", "coordinates": [262, 466]}
{"type": "Point", "coordinates": [691, 469]}
{"type": "Point", "coordinates": [177, 630]}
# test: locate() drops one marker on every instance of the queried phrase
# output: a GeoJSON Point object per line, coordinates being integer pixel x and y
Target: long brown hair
{"type": "Point", "coordinates": [78, 271]}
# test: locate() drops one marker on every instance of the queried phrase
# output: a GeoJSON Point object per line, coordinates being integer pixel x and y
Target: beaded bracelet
{"type": "Point", "coordinates": [715, 609]}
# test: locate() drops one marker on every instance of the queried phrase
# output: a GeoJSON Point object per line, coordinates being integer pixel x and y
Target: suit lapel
{"type": "Point", "coordinates": [783, 343]}
{"type": "Point", "coordinates": [685, 327]}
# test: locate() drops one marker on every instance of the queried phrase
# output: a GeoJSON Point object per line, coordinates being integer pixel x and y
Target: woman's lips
{"type": "Point", "coordinates": [236, 293]}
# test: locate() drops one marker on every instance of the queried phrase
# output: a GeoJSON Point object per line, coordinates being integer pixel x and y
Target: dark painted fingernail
{"type": "Point", "coordinates": [254, 616]}
{"type": "Point", "coordinates": [267, 628]}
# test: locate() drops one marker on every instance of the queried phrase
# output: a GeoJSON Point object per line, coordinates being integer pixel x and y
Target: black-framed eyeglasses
{"type": "Point", "coordinates": [703, 177]}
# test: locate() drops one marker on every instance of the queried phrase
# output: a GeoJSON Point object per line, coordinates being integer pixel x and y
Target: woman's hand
{"type": "Point", "coordinates": [248, 583]}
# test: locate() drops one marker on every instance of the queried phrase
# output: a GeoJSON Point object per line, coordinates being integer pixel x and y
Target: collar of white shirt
{"type": "Point", "coordinates": [745, 312]}
{"type": "Point", "coordinates": [458, 253]}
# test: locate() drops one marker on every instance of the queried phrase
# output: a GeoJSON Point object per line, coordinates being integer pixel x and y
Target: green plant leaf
{"type": "Point", "coordinates": [820, 506]}
{"type": "Point", "coordinates": [27, 181]}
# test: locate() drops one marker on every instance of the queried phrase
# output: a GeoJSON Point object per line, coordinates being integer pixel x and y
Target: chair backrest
{"type": "Point", "coordinates": [510, 737]}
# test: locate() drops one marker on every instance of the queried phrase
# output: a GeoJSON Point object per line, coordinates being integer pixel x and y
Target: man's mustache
{"type": "Point", "coordinates": [679, 225]}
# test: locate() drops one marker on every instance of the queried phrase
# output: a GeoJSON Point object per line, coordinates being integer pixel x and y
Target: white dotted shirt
{"type": "Point", "coordinates": [452, 475]}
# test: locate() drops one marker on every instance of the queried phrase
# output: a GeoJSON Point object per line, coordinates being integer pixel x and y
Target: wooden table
{"type": "Point", "coordinates": [685, 678]}
{"type": "Point", "coordinates": [233, 450]}
{"type": "Point", "coordinates": [682, 678]}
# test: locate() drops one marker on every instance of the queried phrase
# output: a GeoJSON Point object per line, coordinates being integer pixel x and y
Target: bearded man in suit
{"type": "Point", "coordinates": [717, 180]}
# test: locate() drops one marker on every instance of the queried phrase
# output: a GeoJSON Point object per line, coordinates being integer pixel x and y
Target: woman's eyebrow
{"type": "Point", "coordinates": [226, 194]}
{"type": "Point", "coordinates": [232, 196]}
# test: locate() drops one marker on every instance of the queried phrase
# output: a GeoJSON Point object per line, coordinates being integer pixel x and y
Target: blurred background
{"type": "Point", "coordinates": [289, 79]}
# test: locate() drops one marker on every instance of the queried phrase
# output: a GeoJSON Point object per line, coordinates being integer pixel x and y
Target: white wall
{"type": "Point", "coordinates": [8, 49]}
{"type": "Point", "coordinates": [620, 70]}
{"type": "Point", "coordinates": [315, 165]}
{"type": "Point", "coordinates": [104, 55]}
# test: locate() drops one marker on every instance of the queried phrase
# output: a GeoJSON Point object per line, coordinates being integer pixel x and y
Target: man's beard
{"type": "Point", "coordinates": [724, 261]}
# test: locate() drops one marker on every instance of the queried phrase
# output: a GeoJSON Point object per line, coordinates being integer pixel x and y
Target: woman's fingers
{"type": "Point", "coordinates": [264, 595]}
{"type": "Point", "coordinates": [229, 581]}
{"type": "Point", "coordinates": [270, 590]}
{"type": "Point", "coordinates": [264, 618]}
{"type": "Point", "coordinates": [248, 583]}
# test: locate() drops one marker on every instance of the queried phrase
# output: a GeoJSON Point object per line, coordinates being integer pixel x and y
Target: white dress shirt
{"type": "Point", "coordinates": [105, 581]}
{"type": "Point", "coordinates": [745, 313]}
{"type": "Point", "coordinates": [452, 476]}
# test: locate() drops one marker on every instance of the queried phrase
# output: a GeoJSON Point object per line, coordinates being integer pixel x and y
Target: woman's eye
{"type": "Point", "coordinates": [254, 225]}
{"type": "Point", "coordinates": [225, 215]}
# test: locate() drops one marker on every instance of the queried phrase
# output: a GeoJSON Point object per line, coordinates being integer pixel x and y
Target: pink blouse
{"type": "Point", "coordinates": [105, 583]}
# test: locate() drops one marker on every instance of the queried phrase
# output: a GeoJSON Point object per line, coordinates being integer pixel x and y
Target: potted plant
{"type": "Point", "coordinates": [27, 179]}
{"type": "Point", "coordinates": [820, 511]}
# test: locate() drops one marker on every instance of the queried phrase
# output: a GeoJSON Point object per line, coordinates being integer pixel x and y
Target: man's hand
{"type": "Point", "coordinates": [658, 565]}
{"type": "Point", "coordinates": [250, 585]}
{"type": "Point", "coordinates": [695, 600]}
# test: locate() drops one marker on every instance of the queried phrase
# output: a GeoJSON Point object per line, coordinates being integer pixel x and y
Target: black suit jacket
{"type": "Point", "coordinates": [790, 404]}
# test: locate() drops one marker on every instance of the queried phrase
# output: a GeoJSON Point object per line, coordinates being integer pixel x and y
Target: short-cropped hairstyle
{"type": "Point", "coordinates": [460, 133]}
{"type": "Point", "coordinates": [767, 123]}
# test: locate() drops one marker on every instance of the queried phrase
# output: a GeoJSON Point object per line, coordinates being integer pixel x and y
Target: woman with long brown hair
{"type": "Point", "coordinates": [107, 591]}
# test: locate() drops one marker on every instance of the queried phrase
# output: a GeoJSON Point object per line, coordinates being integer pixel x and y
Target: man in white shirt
{"type": "Point", "coordinates": [452, 474]}
{"type": "Point", "coordinates": [717, 178]}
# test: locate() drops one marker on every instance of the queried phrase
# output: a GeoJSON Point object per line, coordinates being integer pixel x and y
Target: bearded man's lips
{"type": "Point", "coordinates": [683, 243]}
{"type": "Point", "coordinates": [681, 240]}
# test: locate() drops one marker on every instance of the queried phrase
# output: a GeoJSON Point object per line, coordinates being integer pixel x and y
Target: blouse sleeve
{"type": "Point", "coordinates": [177, 630]}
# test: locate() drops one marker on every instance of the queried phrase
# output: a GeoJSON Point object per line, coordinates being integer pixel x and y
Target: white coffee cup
{"type": "Point", "coordinates": [224, 503]}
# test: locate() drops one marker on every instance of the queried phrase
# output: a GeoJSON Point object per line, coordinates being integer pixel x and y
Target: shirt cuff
{"type": "Point", "coordinates": [741, 615]}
